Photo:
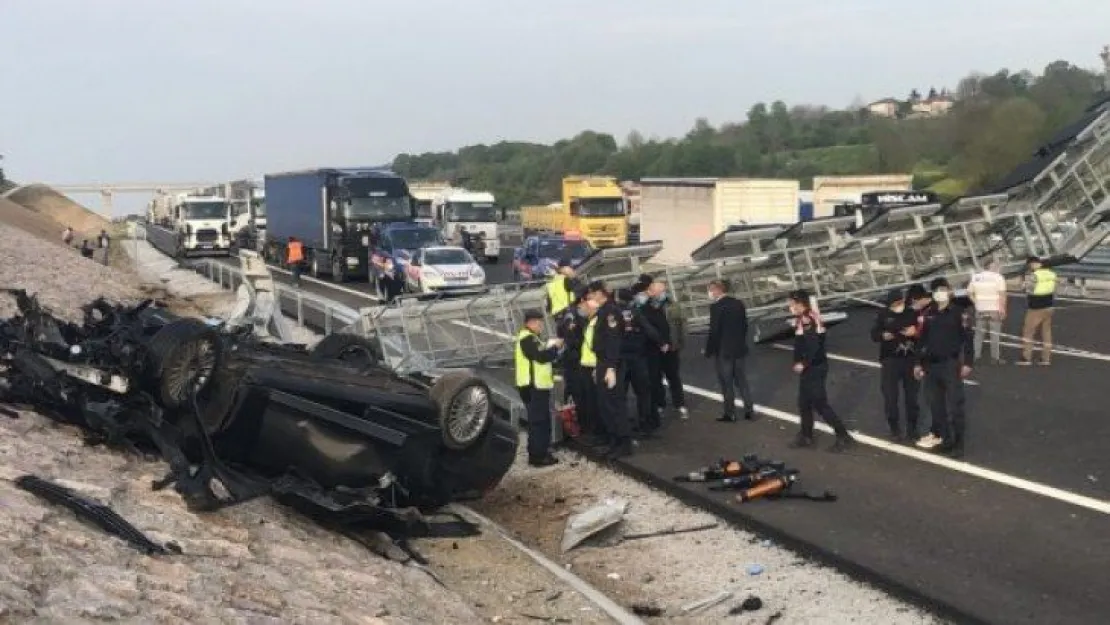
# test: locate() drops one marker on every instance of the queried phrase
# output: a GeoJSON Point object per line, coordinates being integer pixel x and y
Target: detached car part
{"type": "Point", "coordinates": [329, 431]}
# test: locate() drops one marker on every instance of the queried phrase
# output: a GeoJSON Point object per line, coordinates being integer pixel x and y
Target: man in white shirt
{"type": "Point", "coordinates": [987, 291]}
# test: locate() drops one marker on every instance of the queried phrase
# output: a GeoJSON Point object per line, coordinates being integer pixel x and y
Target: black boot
{"type": "Point", "coordinates": [844, 442]}
{"type": "Point", "coordinates": [801, 441]}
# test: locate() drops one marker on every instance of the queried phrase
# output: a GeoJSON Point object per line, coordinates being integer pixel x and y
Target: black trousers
{"type": "Point", "coordinates": [580, 385]}
{"type": "Point", "coordinates": [732, 374]}
{"type": "Point", "coordinates": [538, 403]}
{"type": "Point", "coordinates": [612, 405]}
{"type": "Point", "coordinates": [634, 373]}
{"type": "Point", "coordinates": [813, 397]}
{"type": "Point", "coordinates": [945, 391]}
{"type": "Point", "coordinates": [897, 380]}
{"type": "Point", "coordinates": [665, 365]}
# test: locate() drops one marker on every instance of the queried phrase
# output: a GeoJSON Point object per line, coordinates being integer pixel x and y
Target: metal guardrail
{"type": "Point", "coordinates": [1094, 268]}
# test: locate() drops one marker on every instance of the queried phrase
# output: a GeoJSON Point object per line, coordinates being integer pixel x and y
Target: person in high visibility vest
{"type": "Point", "coordinates": [579, 361]}
{"type": "Point", "coordinates": [535, 380]}
{"type": "Point", "coordinates": [560, 289]}
{"type": "Point", "coordinates": [1040, 286]}
{"type": "Point", "coordinates": [294, 258]}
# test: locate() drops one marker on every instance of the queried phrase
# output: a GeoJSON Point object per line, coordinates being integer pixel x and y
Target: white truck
{"type": "Point", "coordinates": [201, 224]}
{"type": "Point", "coordinates": [425, 193]}
{"type": "Point", "coordinates": [469, 219]}
{"type": "Point", "coordinates": [247, 221]}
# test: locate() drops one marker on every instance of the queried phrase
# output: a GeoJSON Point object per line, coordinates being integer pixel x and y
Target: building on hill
{"type": "Point", "coordinates": [887, 107]}
{"type": "Point", "coordinates": [934, 105]}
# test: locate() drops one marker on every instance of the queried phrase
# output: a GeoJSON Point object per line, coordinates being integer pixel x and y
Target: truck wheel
{"type": "Point", "coordinates": [338, 269]}
{"type": "Point", "coordinates": [350, 348]}
{"type": "Point", "coordinates": [465, 413]}
{"type": "Point", "coordinates": [184, 356]}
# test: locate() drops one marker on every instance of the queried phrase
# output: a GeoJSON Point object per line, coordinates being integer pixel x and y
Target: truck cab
{"type": "Point", "coordinates": [469, 219]}
{"type": "Point", "coordinates": [336, 213]}
{"type": "Point", "coordinates": [201, 225]}
{"type": "Point", "coordinates": [247, 222]}
{"type": "Point", "coordinates": [539, 256]}
{"type": "Point", "coordinates": [596, 207]}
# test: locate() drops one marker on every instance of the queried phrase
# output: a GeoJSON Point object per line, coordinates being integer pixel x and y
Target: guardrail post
{"type": "Point", "coordinates": [300, 310]}
{"type": "Point", "coordinates": [328, 313]}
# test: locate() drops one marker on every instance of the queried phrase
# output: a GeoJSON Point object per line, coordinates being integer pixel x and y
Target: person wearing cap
{"type": "Point", "coordinates": [895, 330]}
{"type": "Point", "coordinates": [811, 363]}
{"type": "Point", "coordinates": [663, 361]}
{"type": "Point", "coordinates": [590, 423]}
{"type": "Point", "coordinates": [571, 326]}
{"type": "Point", "coordinates": [639, 337]}
{"type": "Point", "coordinates": [1040, 286]}
{"type": "Point", "coordinates": [560, 289]}
{"type": "Point", "coordinates": [606, 344]}
{"type": "Point", "coordinates": [987, 291]}
{"type": "Point", "coordinates": [945, 357]}
{"type": "Point", "coordinates": [534, 380]}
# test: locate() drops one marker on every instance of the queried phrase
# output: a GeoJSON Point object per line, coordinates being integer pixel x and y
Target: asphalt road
{"type": "Point", "coordinates": [1018, 533]}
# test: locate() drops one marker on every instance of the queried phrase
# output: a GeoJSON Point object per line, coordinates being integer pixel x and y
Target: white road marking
{"type": "Point", "coordinates": [1093, 301]}
{"type": "Point", "coordinates": [854, 361]}
{"type": "Point", "coordinates": [1036, 488]}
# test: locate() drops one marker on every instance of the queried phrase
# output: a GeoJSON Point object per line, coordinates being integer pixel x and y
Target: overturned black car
{"type": "Point", "coordinates": [327, 430]}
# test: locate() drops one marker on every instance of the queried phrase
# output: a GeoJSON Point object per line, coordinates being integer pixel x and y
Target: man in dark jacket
{"type": "Point", "coordinates": [607, 342]}
{"type": "Point", "coordinates": [895, 331]}
{"type": "Point", "coordinates": [727, 344]}
{"type": "Point", "coordinates": [640, 337]}
{"type": "Point", "coordinates": [668, 321]}
{"type": "Point", "coordinates": [945, 356]}
{"type": "Point", "coordinates": [811, 363]}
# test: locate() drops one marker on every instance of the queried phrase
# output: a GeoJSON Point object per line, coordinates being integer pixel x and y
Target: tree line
{"type": "Point", "coordinates": [996, 122]}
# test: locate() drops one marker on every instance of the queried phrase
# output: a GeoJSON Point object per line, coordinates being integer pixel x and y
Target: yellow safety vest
{"type": "Point", "coordinates": [538, 375]}
{"type": "Point", "coordinates": [1044, 282]}
{"type": "Point", "coordinates": [557, 293]}
{"type": "Point", "coordinates": [589, 358]}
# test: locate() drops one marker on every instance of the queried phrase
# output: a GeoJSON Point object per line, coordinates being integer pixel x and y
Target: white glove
{"type": "Point", "coordinates": [610, 378]}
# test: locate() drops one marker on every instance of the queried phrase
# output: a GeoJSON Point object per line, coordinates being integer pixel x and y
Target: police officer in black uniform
{"type": "Point", "coordinates": [571, 327]}
{"type": "Point", "coordinates": [607, 341]}
{"type": "Point", "coordinates": [639, 337]}
{"type": "Point", "coordinates": [945, 355]}
{"type": "Point", "coordinates": [811, 363]}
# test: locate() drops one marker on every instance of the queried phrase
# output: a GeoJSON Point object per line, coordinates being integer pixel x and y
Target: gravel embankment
{"type": "Point", "coordinates": [256, 563]}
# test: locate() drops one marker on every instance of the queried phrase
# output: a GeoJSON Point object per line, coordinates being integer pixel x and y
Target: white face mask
{"type": "Point", "coordinates": [940, 297]}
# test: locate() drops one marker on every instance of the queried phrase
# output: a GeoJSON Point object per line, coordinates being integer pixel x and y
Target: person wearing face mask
{"type": "Point", "coordinates": [944, 360]}
{"type": "Point", "coordinates": [639, 337]}
{"type": "Point", "coordinates": [727, 344]}
{"type": "Point", "coordinates": [607, 340]}
{"type": "Point", "coordinates": [894, 330]}
{"type": "Point", "coordinates": [587, 409]}
{"type": "Point", "coordinates": [663, 361]}
{"type": "Point", "coordinates": [811, 363]}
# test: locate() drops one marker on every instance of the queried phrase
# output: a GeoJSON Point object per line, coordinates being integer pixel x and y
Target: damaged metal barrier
{"type": "Point", "coordinates": [328, 430]}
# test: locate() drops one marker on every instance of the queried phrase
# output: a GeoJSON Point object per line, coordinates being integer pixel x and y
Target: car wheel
{"type": "Point", "coordinates": [349, 348]}
{"type": "Point", "coordinates": [465, 410]}
{"type": "Point", "coordinates": [184, 356]}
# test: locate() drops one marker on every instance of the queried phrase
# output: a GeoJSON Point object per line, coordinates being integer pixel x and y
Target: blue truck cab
{"type": "Point", "coordinates": [540, 254]}
{"type": "Point", "coordinates": [335, 213]}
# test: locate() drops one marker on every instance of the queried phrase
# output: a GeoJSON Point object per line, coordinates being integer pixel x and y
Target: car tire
{"type": "Point", "coordinates": [185, 355]}
{"type": "Point", "coordinates": [351, 348]}
{"type": "Point", "coordinates": [464, 404]}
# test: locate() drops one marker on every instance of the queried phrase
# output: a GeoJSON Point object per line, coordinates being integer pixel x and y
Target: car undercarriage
{"type": "Point", "coordinates": [328, 430]}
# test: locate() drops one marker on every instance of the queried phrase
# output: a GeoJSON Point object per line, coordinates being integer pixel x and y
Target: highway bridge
{"type": "Point", "coordinates": [1018, 532]}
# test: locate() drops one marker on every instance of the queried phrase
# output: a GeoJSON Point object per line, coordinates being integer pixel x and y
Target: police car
{"type": "Point", "coordinates": [393, 250]}
{"type": "Point", "coordinates": [539, 256]}
{"type": "Point", "coordinates": [443, 268]}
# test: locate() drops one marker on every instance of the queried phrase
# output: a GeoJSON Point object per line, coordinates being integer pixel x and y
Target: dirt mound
{"type": "Point", "coordinates": [53, 205]}
{"type": "Point", "coordinates": [30, 221]}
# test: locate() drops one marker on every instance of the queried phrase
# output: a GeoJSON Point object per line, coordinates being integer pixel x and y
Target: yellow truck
{"type": "Point", "coordinates": [592, 206]}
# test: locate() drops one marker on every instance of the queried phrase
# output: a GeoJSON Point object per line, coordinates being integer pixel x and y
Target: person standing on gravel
{"type": "Point", "coordinates": [67, 236]}
{"type": "Point", "coordinates": [535, 380]}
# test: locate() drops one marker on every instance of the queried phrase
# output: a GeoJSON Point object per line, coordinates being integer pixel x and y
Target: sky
{"type": "Point", "coordinates": [114, 91]}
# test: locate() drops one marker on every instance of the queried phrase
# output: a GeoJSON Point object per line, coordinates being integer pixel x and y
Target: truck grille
{"type": "Point", "coordinates": [208, 235]}
{"type": "Point", "coordinates": [603, 229]}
